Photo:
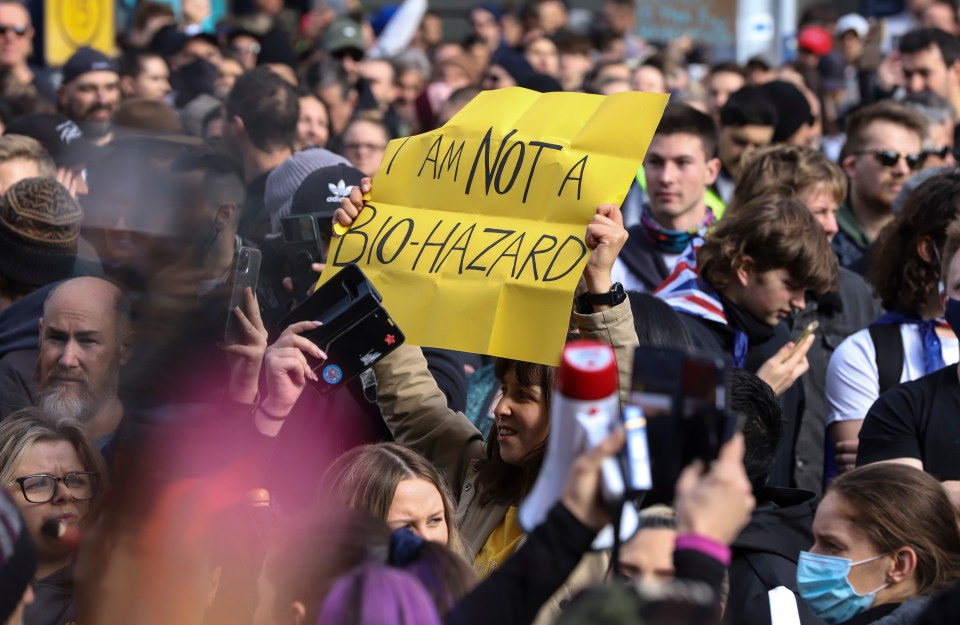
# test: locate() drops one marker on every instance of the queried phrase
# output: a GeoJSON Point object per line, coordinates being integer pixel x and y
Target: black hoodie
{"type": "Point", "coordinates": [19, 339]}
{"type": "Point", "coordinates": [765, 556]}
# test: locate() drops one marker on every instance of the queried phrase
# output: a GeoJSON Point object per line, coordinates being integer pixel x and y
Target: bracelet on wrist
{"type": "Point", "coordinates": [269, 415]}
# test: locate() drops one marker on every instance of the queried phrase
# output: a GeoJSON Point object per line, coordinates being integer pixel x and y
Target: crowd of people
{"type": "Point", "coordinates": [156, 468]}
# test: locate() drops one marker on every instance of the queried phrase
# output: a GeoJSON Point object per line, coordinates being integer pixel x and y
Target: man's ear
{"type": "Point", "coordinates": [849, 166]}
{"type": "Point", "coordinates": [126, 86]}
{"type": "Point", "coordinates": [236, 125]}
{"type": "Point", "coordinates": [297, 613]}
{"type": "Point", "coordinates": [745, 270]}
{"type": "Point", "coordinates": [955, 71]}
{"type": "Point", "coordinates": [225, 214]}
{"type": "Point", "coordinates": [126, 347]}
{"type": "Point", "coordinates": [713, 170]}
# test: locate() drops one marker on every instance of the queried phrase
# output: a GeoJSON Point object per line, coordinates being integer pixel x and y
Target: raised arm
{"type": "Point", "coordinates": [415, 410]}
{"type": "Point", "coordinates": [606, 236]}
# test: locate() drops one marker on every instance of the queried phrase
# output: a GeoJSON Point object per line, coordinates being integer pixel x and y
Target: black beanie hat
{"type": "Point", "coordinates": [793, 109]}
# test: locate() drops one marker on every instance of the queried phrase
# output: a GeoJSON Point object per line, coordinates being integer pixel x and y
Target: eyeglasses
{"type": "Point", "coordinates": [42, 488]}
{"type": "Point", "coordinates": [367, 147]}
{"type": "Point", "coordinates": [940, 152]}
{"type": "Point", "coordinates": [889, 158]}
{"type": "Point", "coordinates": [19, 31]}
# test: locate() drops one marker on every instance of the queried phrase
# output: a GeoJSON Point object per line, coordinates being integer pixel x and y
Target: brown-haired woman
{"type": "Point", "coordinates": [886, 540]}
{"type": "Point", "coordinates": [906, 274]}
{"type": "Point", "coordinates": [398, 485]}
{"type": "Point", "coordinates": [489, 478]}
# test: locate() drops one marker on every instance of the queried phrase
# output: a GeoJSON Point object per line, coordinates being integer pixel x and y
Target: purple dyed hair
{"type": "Point", "coordinates": [375, 594]}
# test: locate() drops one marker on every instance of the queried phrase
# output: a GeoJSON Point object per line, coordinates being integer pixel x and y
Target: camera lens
{"type": "Point", "coordinates": [244, 263]}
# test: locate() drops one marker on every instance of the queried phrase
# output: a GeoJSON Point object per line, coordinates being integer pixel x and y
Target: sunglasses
{"type": "Point", "coordinates": [19, 31]}
{"type": "Point", "coordinates": [356, 55]}
{"type": "Point", "coordinates": [889, 158]}
{"type": "Point", "coordinates": [940, 152]}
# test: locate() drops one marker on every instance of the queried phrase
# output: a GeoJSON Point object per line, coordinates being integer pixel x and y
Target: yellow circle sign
{"type": "Point", "coordinates": [72, 24]}
{"type": "Point", "coordinates": [79, 20]}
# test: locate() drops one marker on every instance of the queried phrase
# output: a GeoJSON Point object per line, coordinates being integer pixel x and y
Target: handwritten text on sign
{"type": "Point", "coordinates": [474, 233]}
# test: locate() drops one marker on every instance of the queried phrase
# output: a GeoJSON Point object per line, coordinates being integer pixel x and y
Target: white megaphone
{"type": "Point", "coordinates": [585, 409]}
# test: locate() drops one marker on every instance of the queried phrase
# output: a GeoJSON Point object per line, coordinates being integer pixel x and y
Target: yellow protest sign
{"type": "Point", "coordinates": [474, 233]}
{"type": "Point", "coordinates": [72, 24]}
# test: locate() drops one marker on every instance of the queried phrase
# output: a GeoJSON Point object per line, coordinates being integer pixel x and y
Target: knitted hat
{"type": "Point", "coordinates": [282, 183]}
{"type": "Point", "coordinates": [39, 227]}
{"type": "Point", "coordinates": [18, 558]}
{"type": "Point", "coordinates": [792, 107]}
{"type": "Point", "coordinates": [320, 193]}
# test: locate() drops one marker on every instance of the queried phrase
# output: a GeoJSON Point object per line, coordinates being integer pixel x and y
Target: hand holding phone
{"type": "Point", "coordinates": [245, 273]}
{"type": "Point", "coordinates": [813, 326]}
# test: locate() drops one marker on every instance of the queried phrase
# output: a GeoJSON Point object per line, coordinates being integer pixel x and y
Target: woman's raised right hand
{"type": "Point", "coordinates": [287, 369]}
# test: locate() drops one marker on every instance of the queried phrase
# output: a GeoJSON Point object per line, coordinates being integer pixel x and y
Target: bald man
{"type": "Point", "coordinates": [84, 340]}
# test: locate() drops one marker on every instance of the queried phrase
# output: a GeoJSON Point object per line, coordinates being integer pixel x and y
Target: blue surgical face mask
{"type": "Point", "coordinates": [823, 584]}
{"type": "Point", "coordinates": [952, 314]}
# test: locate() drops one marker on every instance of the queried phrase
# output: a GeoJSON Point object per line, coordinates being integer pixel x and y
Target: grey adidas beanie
{"type": "Point", "coordinates": [18, 557]}
{"type": "Point", "coordinates": [283, 182]}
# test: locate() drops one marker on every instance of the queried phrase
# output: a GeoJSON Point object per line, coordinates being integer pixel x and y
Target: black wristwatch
{"type": "Point", "coordinates": [586, 301]}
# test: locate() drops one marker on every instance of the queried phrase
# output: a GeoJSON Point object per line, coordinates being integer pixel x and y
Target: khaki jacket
{"type": "Point", "coordinates": [415, 410]}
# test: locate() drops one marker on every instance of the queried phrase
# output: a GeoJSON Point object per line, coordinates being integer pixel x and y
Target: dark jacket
{"type": "Point", "coordinates": [764, 342]}
{"type": "Point", "coordinates": [906, 613]}
{"type": "Point", "coordinates": [513, 594]}
{"type": "Point", "coordinates": [765, 556]}
{"type": "Point", "coordinates": [19, 338]}
{"type": "Point", "coordinates": [840, 314]}
{"type": "Point", "coordinates": [644, 260]}
{"type": "Point", "coordinates": [53, 604]}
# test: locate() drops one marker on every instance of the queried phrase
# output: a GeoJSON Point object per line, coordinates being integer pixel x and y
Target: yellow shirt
{"type": "Point", "coordinates": [500, 545]}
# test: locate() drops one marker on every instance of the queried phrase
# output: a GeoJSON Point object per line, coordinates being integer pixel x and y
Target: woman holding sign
{"type": "Point", "coordinates": [490, 478]}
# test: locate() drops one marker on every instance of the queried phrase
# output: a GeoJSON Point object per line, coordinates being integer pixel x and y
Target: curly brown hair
{"type": "Point", "coordinates": [905, 280]}
{"type": "Point", "coordinates": [776, 232]}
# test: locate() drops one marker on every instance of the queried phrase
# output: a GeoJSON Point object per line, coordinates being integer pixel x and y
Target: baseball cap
{"type": "Point", "coordinates": [283, 182]}
{"type": "Point", "coordinates": [321, 192]}
{"type": "Point", "coordinates": [343, 34]}
{"type": "Point", "coordinates": [61, 137]}
{"type": "Point", "coordinates": [86, 60]}
{"type": "Point", "coordinates": [855, 22]}
{"type": "Point", "coordinates": [815, 39]}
